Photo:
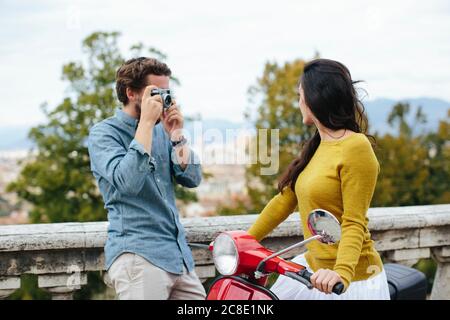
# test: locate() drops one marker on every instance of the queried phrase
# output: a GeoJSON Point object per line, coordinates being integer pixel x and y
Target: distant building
{"type": "Point", "coordinates": [10, 210]}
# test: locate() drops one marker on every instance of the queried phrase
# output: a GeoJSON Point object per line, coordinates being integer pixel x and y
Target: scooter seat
{"type": "Point", "coordinates": [405, 283]}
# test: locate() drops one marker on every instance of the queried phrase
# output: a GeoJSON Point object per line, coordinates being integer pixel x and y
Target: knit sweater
{"type": "Point", "coordinates": [340, 178]}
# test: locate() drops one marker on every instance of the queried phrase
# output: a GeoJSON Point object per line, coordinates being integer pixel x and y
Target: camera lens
{"type": "Point", "coordinates": [167, 100]}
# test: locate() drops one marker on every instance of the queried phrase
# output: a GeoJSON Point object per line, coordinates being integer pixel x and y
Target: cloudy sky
{"type": "Point", "coordinates": [218, 48]}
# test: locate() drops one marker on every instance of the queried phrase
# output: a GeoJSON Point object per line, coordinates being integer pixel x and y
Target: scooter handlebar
{"type": "Point", "coordinates": [305, 274]}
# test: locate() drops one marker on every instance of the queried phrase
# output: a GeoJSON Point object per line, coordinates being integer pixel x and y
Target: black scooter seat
{"type": "Point", "coordinates": [405, 283]}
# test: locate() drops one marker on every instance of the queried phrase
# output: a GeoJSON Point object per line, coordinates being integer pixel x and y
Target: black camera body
{"type": "Point", "coordinates": [165, 96]}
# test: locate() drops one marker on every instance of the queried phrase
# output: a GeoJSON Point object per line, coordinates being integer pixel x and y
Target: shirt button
{"type": "Point", "coordinates": [157, 179]}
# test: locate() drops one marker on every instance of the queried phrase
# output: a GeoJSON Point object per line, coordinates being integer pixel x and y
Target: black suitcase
{"type": "Point", "coordinates": [405, 283]}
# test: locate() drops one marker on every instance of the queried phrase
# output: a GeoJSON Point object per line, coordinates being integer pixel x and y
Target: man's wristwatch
{"type": "Point", "coordinates": [180, 142]}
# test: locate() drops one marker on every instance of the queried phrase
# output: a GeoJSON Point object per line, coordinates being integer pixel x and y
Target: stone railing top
{"type": "Point", "coordinates": [93, 234]}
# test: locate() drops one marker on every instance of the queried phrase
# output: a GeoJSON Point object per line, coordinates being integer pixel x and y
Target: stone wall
{"type": "Point", "coordinates": [61, 253]}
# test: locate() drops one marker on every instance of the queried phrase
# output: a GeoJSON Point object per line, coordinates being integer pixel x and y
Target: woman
{"type": "Point", "coordinates": [336, 171]}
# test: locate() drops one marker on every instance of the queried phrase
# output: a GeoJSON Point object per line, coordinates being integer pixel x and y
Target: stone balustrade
{"type": "Point", "coordinates": [61, 254]}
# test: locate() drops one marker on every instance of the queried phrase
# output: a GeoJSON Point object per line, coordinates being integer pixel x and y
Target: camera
{"type": "Point", "coordinates": [165, 96]}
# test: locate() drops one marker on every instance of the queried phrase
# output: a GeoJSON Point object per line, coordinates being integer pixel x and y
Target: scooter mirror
{"type": "Point", "coordinates": [323, 223]}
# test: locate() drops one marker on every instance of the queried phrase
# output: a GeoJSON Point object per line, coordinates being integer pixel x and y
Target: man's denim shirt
{"type": "Point", "coordinates": [138, 192]}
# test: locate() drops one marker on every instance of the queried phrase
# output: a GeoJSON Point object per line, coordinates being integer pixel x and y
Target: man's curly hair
{"type": "Point", "coordinates": [133, 74]}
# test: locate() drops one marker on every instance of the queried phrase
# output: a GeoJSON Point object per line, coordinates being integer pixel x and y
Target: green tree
{"type": "Point", "coordinates": [414, 163]}
{"type": "Point", "coordinates": [276, 100]}
{"type": "Point", "coordinates": [438, 145]}
{"type": "Point", "coordinates": [57, 179]}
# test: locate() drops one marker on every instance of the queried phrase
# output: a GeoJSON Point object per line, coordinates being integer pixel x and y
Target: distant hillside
{"type": "Point", "coordinates": [15, 137]}
{"type": "Point", "coordinates": [379, 109]}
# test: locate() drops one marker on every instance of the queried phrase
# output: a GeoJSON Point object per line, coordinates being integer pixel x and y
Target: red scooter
{"type": "Point", "coordinates": [245, 264]}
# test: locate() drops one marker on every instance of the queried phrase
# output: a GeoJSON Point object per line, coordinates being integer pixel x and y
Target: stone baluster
{"type": "Point", "coordinates": [441, 284]}
{"type": "Point", "coordinates": [407, 257]}
{"type": "Point", "coordinates": [62, 286]}
{"type": "Point", "coordinates": [8, 285]}
{"type": "Point", "coordinates": [205, 272]}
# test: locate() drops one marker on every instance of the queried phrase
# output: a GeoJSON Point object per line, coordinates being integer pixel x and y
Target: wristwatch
{"type": "Point", "coordinates": [182, 141]}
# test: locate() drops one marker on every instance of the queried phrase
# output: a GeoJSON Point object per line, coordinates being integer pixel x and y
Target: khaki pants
{"type": "Point", "coordinates": [135, 278]}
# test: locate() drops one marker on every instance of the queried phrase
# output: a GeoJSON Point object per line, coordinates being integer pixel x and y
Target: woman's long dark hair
{"type": "Point", "coordinates": [330, 94]}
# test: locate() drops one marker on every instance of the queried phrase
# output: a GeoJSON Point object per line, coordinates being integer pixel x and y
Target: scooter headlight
{"type": "Point", "coordinates": [225, 255]}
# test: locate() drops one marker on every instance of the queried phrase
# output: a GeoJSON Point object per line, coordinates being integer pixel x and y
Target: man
{"type": "Point", "coordinates": [134, 156]}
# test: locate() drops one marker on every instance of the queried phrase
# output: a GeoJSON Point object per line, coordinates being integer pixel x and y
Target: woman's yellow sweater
{"type": "Point", "coordinates": [340, 178]}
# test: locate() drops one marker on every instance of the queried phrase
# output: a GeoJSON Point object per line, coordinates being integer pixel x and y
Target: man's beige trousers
{"type": "Point", "coordinates": [135, 278]}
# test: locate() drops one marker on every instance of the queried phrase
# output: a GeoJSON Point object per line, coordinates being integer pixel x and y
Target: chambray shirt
{"type": "Point", "coordinates": [138, 193]}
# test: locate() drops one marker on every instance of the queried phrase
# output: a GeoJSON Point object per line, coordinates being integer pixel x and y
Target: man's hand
{"type": "Point", "coordinates": [151, 106]}
{"type": "Point", "coordinates": [325, 279]}
{"type": "Point", "coordinates": [173, 121]}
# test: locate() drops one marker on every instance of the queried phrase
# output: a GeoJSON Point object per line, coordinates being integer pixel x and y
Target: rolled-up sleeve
{"type": "Point", "coordinates": [191, 176]}
{"type": "Point", "coordinates": [124, 168]}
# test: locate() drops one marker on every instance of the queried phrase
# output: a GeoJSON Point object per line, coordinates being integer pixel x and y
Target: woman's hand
{"type": "Point", "coordinates": [325, 279]}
